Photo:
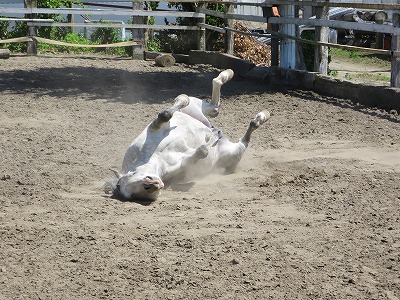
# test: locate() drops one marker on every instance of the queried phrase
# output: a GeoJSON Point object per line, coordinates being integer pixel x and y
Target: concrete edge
{"type": "Point", "coordinates": [382, 97]}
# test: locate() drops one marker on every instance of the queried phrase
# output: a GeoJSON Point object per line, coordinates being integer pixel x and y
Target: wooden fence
{"type": "Point", "coordinates": [283, 29]}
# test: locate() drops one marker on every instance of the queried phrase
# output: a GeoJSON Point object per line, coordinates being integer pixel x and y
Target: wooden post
{"type": "Point", "coordinates": [138, 33]}
{"type": "Point", "coordinates": [275, 46]}
{"type": "Point", "coordinates": [31, 46]}
{"type": "Point", "coordinates": [229, 35]}
{"type": "Point", "coordinates": [268, 11]}
{"type": "Point", "coordinates": [70, 17]}
{"type": "Point", "coordinates": [321, 34]}
{"type": "Point", "coordinates": [379, 36]}
{"type": "Point", "coordinates": [201, 42]}
{"type": "Point", "coordinates": [378, 40]}
{"type": "Point", "coordinates": [395, 59]}
{"type": "Point", "coordinates": [300, 64]}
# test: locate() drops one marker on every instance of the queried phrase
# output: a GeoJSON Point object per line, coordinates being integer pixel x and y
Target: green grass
{"type": "Point", "coordinates": [333, 73]}
{"type": "Point", "coordinates": [348, 76]}
{"type": "Point", "coordinates": [374, 77]}
{"type": "Point", "coordinates": [360, 57]}
{"type": "Point", "coordinates": [366, 76]}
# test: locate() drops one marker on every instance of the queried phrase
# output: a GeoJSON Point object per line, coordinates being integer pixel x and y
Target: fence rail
{"type": "Point", "coordinates": [380, 28]}
{"type": "Point", "coordinates": [284, 28]}
{"type": "Point", "coordinates": [101, 12]}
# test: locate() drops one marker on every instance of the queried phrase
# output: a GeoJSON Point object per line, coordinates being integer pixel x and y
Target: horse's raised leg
{"type": "Point", "coordinates": [230, 154]}
{"type": "Point", "coordinates": [180, 102]}
{"type": "Point", "coordinates": [260, 119]}
{"type": "Point", "coordinates": [200, 109]}
{"type": "Point", "coordinates": [217, 83]}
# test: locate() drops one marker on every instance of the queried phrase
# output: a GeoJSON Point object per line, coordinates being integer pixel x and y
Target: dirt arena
{"type": "Point", "coordinates": [313, 211]}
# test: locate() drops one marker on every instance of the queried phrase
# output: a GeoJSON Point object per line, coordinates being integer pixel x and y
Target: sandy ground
{"type": "Point", "coordinates": [311, 213]}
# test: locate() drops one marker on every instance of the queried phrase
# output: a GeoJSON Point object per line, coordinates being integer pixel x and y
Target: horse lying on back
{"type": "Point", "coordinates": [180, 145]}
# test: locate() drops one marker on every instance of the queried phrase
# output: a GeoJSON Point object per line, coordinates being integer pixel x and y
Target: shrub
{"type": "Point", "coordinates": [104, 35]}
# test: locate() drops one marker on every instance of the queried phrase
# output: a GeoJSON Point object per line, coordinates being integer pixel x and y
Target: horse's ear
{"type": "Point", "coordinates": [116, 173]}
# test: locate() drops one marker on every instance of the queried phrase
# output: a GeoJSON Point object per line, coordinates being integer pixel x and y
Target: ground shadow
{"type": "Point", "coordinates": [153, 85]}
{"type": "Point", "coordinates": [345, 103]}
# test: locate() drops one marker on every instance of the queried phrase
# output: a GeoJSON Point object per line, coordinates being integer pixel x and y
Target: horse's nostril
{"type": "Point", "coordinates": [117, 192]}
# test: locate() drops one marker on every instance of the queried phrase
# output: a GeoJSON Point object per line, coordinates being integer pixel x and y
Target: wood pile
{"type": "Point", "coordinates": [249, 48]}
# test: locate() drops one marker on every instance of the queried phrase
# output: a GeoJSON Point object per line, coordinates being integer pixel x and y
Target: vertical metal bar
{"type": "Point", "coordinates": [288, 46]}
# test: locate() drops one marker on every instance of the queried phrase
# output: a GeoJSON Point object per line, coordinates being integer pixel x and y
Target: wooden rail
{"type": "Point", "coordinates": [109, 25]}
{"type": "Point", "coordinates": [380, 28]}
{"type": "Point", "coordinates": [101, 12]}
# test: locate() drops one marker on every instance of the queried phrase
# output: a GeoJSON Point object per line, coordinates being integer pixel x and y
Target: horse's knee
{"type": "Point", "coordinates": [212, 112]}
{"type": "Point", "coordinates": [182, 101]}
{"type": "Point", "coordinates": [201, 152]}
{"type": "Point", "coordinates": [165, 116]}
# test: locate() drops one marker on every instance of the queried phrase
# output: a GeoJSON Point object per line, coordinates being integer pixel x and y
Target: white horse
{"type": "Point", "coordinates": [180, 145]}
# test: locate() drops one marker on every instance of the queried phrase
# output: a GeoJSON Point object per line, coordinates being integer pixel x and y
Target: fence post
{"type": "Point", "coordinates": [395, 59]}
{"type": "Point", "coordinates": [321, 34]}
{"type": "Point", "coordinates": [274, 46]}
{"type": "Point", "coordinates": [288, 46]}
{"type": "Point", "coordinates": [229, 35]}
{"type": "Point", "coordinates": [31, 46]}
{"type": "Point", "coordinates": [268, 11]}
{"type": "Point", "coordinates": [201, 42]}
{"type": "Point", "coordinates": [70, 18]}
{"type": "Point", "coordinates": [137, 33]}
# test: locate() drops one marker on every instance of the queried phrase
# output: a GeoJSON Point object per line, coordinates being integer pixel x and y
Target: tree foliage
{"type": "Point", "coordinates": [179, 41]}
